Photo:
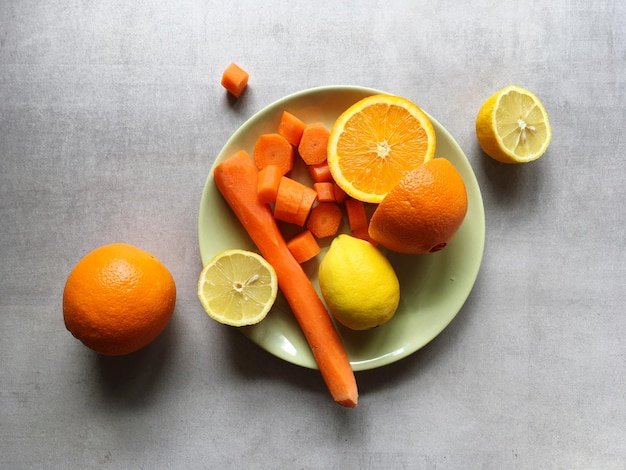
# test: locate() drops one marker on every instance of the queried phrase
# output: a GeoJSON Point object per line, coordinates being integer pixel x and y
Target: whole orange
{"type": "Point", "coordinates": [118, 299]}
{"type": "Point", "coordinates": [423, 211]}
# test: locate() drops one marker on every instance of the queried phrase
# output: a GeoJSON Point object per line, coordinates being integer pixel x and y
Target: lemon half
{"type": "Point", "coordinates": [237, 287]}
{"type": "Point", "coordinates": [512, 126]}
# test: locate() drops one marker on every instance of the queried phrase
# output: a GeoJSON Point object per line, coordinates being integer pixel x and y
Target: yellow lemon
{"type": "Point", "coordinates": [512, 126]}
{"type": "Point", "coordinates": [358, 283]}
{"type": "Point", "coordinates": [237, 287]}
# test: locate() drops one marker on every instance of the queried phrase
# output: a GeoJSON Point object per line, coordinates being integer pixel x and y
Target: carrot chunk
{"type": "Point", "coordinates": [314, 143]}
{"type": "Point", "coordinates": [269, 179]}
{"type": "Point", "coordinates": [273, 149]}
{"type": "Point", "coordinates": [325, 191]}
{"type": "Point", "coordinates": [303, 246]}
{"type": "Point", "coordinates": [320, 172]}
{"type": "Point", "coordinates": [293, 201]}
{"type": "Point", "coordinates": [340, 194]}
{"type": "Point", "coordinates": [325, 219]}
{"type": "Point", "coordinates": [235, 79]}
{"type": "Point", "coordinates": [291, 128]}
{"type": "Point", "coordinates": [357, 218]}
{"type": "Point", "coordinates": [236, 179]}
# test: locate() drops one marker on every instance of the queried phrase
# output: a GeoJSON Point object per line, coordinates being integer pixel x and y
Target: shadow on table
{"type": "Point", "coordinates": [510, 184]}
{"type": "Point", "coordinates": [255, 363]}
{"type": "Point", "coordinates": [131, 379]}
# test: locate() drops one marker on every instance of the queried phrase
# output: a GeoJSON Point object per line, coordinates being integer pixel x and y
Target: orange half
{"type": "Point", "coordinates": [377, 141]}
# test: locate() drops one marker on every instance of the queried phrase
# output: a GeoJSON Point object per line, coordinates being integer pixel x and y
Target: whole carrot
{"type": "Point", "coordinates": [236, 179]}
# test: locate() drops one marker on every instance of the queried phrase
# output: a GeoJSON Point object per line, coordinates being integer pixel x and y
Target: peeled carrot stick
{"type": "Point", "coordinates": [325, 219]}
{"type": "Point", "coordinates": [268, 181]}
{"type": "Point", "coordinates": [325, 191]}
{"type": "Point", "coordinates": [273, 149]}
{"type": "Point", "coordinates": [320, 172]}
{"type": "Point", "coordinates": [236, 179]}
{"type": "Point", "coordinates": [303, 246]}
{"type": "Point", "coordinates": [235, 79]}
{"type": "Point", "coordinates": [314, 143]}
{"type": "Point", "coordinates": [293, 201]}
{"type": "Point", "coordinates": [291, 128]}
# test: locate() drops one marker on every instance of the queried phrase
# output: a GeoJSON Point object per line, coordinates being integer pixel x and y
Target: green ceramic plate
{"type": "Point", "coordinates": [434, 287]}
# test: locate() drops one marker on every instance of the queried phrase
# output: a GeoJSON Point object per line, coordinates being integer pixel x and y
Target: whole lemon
{"type": "Point", "coordinates": [358, 283]}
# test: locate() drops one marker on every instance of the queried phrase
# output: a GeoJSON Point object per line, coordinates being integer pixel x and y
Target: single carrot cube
{"type": "Point", "coordinates": [294, 201]}
{"type": "Point", "coordinates": [291, 128]}
{"type": "Point", "coordinates": [340, 194]}
{"type": "Point", "coordinates": [303, 246]}
{"type": "Point", "coordinates": [269, 179]}
{"type": "Point", "coordinates": [320, 172]}
{"type": "Point", "coordinates": [357, 217]}
{"type": "Point", "coordinates": [235, 79]}
{"type": "Point", "coordinates": [325, 191]}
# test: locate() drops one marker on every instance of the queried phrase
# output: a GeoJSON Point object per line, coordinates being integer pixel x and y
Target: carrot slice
{"type": "Point", "coordinates": [325, 191]}
{"type": "Point", "coordinates": [314, 143]}
{"type": "Point", "coordinates": [340, 194]}
{"type": "Point", "coordinates": [293, 201]}
{"type": "Point", "coordinates": [273, 149]}
{"type": "Point", "coordinates": [357, 218]}
{"type": "Point", "coordinates": [291, 128]}
{"type": "Point", "coordinates": [325, 219]}
{"type": "Point", "coordinates": [320, 172]}
{"type": "Point", "coordinates": [235, 79]}
{"type": "Point", "coordinates": [269, 179]}
{"type": "Point", "coordinates": [303, 246]}
{"type": "Point", "coordinates": [236, 179]}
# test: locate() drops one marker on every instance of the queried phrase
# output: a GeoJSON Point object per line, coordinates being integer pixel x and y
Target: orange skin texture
{"type": "Point", "coordinates": [118, 299]}
{"type": "Point", "coordinates": [423, 211]}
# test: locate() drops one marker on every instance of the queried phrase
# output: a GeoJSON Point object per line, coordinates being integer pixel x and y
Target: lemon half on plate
{"type": "Point", "coordinates": [237, 287]}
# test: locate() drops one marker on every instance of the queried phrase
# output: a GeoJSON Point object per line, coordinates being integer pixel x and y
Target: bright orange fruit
{"type": "Point", "coordinates": [118, 299]}
{"type": "Point", "coordinates": [375, 142]}
{"type": "Point", "coordinates": [423, 211]}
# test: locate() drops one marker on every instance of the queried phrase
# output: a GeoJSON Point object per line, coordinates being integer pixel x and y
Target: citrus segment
{"type": "Point", "coordinates": [237, 287]}
{"type": "Point", "coordinates": [423, 212]}
{"type": "Point", "coordinates": [118, 299]}
{"type": "Point", "coordinates": [375, 142]}
{"type": "Point", "coordinates": [512, 126]}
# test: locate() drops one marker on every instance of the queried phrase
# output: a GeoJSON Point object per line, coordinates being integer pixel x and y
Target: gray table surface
{"type": "Point", "coordinates": [111, 115]}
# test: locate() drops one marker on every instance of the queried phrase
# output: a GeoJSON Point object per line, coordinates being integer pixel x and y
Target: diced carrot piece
{"type": "Point", "coordinates": [314, 144]}
{"type": "Point", "coordinates": [293, 201]}
{"type": "Point", "coordinates": [303, 246]}
{"type": "Point", "coordinates": [325, 191]}
{"type": "Point", "coordinates": [325, 219]}
{"type": "Point", "coordinates": [291, 128]}
{"type": "Point", "coordinates": [340, 194]}
{"type": "Point", "coordinates": [320, 172]}
{"type": "Point", "coordinates": [357, 217]}
{"type": "Point", "coordinates": [273, 149]}
{"type": "Point", "coordinates": [235, 79]}
{"type": "Point", "coordinates": [269, 180]}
